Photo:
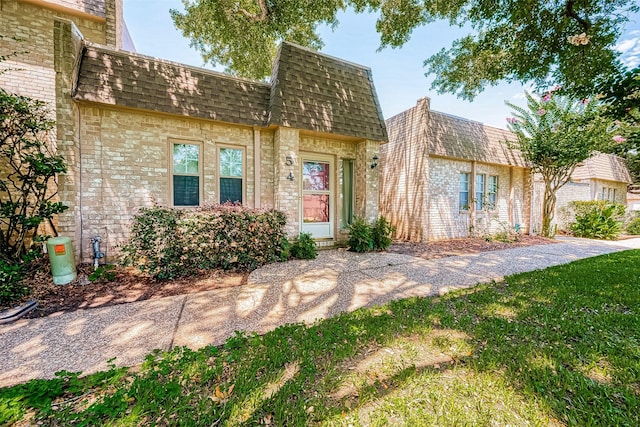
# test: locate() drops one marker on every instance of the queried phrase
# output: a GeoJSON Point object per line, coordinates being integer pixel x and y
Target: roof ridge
{"type": "Point", "coordinates": [124, 52]}
{"type": "Point", "coordinates": [470, 120]}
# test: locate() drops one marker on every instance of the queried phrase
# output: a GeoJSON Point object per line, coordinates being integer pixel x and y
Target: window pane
{"type": "Point", "coordinates": [464, 191]}
{"type": "Point", "coordinates": [315, 176]}
{"type": "Point", "coordinates": [493, 191]}
{"type": "Point", "coordinates": [464, 201]}
{"type": "Point", "coordinates": [479, 191]}
{"type": "Point", "coordinates": [186, 190]}
{"type": "Point", "coordinates": [230, 190]}
{"type": "Point", "coordinates": [316, 208]}
{"type": "Point", "coordinates": [185, 158]}
{"type": "Point", "coordinates": [346, 178]}
{"type": "Point", "coordinates": [230, 162]}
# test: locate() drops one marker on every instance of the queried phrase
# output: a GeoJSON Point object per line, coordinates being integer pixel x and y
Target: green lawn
{"type": "Point", "coordinates": [555, 347]}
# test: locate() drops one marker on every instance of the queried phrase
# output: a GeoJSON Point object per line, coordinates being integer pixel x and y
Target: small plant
{"type": "Point", "coordinates": [597, 219]}
{"type": "Point", "coordinates": [634, 226]}
{"type": "Point", "coordinates": [11, 287]}
{"type": "Point", "coordinates": [304, 247]}
{"type": "Point", "coordinates": [360, 236]}
{"type": "Point", "coordinates": [104, 273]}
{"type": "Point", "coordinates": [381, 233]}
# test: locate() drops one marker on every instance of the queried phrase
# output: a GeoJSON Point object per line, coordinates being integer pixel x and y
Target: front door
{"type": "Point", "coordinates": [317, 197]}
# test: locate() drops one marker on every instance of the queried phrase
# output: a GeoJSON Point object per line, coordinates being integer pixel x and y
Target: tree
{"type": "Point", "coordinates": [29, 170]}
{"type": "Point", "coordinates": [622, 95]}
{"type": "Point", "coordinates": [513, 40]}
{"type": "Point", "coordinates": [554, 134]}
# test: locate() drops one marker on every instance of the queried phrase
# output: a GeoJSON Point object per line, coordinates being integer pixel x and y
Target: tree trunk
{"type": "Point", "coordinates": [548, 208]}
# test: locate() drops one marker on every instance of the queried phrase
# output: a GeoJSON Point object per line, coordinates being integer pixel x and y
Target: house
{"type": "Point", "coordinates": [137, 131]}
{"type": "Point", "coordinates": [447, 177]}
{"type": "Point", "coordinates": [600, 177]}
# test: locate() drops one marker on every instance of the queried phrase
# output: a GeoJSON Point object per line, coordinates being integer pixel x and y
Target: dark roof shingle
{"type": "Point", "coordinates": [125, 79]}
{"type": "Point", "coordinates": [317, 92]}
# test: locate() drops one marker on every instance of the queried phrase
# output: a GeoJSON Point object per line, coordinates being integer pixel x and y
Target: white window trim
{"type": "Point", "coordinates": [173, 142]}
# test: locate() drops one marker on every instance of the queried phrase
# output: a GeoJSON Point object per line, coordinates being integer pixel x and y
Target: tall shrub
{"type": "Point", "coordinates": [170, 243]}
{"type": "Point", "coordinates": [28, 171]}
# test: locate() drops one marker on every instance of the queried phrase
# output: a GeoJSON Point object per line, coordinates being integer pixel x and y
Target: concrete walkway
{"type": "Point", "coordinates": [295, 291]}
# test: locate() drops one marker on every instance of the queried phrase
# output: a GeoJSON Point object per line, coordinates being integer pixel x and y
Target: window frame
{"type": "Point", "coordinates": [493, 204]}
{"type": "Point", "coordinates": [467, 206]}
{"type": "Point", "coordinates": [172, 174]}
{"type": "Point", "coordinates": [345, 222]}
{"type": "Point", "coordinates": [480, 195]}
{"type": "Point", "coordinates": [243, 178]}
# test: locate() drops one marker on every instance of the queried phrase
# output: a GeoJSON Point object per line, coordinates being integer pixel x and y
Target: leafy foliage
{"type": "Point", "coordinates": [364, 237]}
{"type": "Point", "coordinates": [634, 226]}
{"type": "Point", "coordinates": [597, 219]}
{"type": "Point", "coordinates": [622, 95]}
{"type": "Point", "coordinates": [304, 247]}
{"type": "Point", "coordinates": [170, 243]}
{"type": "Point", "coordinates": [517, 40]}
{"type": "Point", "coordinates": [11, 288]}
{"type": "Point", "coordinates": [554, 134]}
{"type": "Point", "coordinates": [29, 171]}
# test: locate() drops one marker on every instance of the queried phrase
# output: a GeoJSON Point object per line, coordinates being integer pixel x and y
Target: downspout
{"type": "Point", "coordinates": [257, 189]}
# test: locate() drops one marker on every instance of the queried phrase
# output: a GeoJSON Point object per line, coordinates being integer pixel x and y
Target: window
{"type": "Point", "coordinates": [346, 192]}
{"type": "Point", "coordinates": [492, 194]}
{"type": "Point", "coordinates": [231, 175]}
{"type": "Point", "coordinates": [480, 181]}
{"type": "Point", "coordinates": [464, 191]}
{"type": "Point", "coordinates": [608, 194]}
{"type": "Point", "coordinates": [186, 174]}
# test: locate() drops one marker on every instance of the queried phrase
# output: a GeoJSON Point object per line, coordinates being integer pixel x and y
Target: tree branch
{"type": "Point", "coordinates": [264, 12]}
{"type": "Point", "coordinates": [570, 13]}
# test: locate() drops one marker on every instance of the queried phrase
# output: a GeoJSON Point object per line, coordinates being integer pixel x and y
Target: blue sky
{"type": "Point", "coordinates": [398, 73]}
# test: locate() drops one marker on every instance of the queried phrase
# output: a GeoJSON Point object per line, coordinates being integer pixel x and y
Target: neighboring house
{"type": "Point", "coordinates": [137, 131]}
{"type": "Point", "coordinates": [447, 177]}
{"type": "Point", "coordinates": [600, 177]}
{"type": "Point", "coordinates": [633, 198]}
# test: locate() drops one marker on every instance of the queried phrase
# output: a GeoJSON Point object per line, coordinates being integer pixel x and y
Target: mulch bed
{"type": "Point", "coordinates": [130, 285]}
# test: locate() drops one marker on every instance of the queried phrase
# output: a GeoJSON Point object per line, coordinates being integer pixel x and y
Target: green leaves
{"type": "Point", "coordinates": [565, 42]}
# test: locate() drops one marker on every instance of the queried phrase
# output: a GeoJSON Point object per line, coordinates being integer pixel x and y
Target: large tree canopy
{"type": "Point", "coordinates": [566, 42]}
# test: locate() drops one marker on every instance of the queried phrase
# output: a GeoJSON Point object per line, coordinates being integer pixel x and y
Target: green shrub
{"type": "Point", "coordinates": [170, 243]}
{"type": "Point", "coordinates": [304, 247]}
{"type": "Point", "coordinates": [381, 232]}
{"type": "Point", "coordinates": [597, 219]}
{"type": "Point", "coordinates": [360, 236]}
{"type": "Point", "coordinates": [634, 226]}
{"type": "Point", "coordinates": [11, 288]}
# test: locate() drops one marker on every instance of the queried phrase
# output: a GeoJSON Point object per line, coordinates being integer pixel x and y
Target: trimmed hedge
{"type": "Point", "coordinates": [170, 243]}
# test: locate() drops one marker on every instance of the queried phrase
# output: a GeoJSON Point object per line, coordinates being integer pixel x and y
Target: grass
{"type": "Point", "coordinates": [553, 347]}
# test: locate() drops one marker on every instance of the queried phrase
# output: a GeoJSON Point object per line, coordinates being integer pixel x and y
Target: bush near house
{"type": "Point", "coordinates": [375, 237]}
{"type": "Point", "coordinates": [170, 243]}
{"type": "Point", "coordinates": [304, 247]}
{"type": "Point", "coordinates": [634, 226]}
{"type": "Point", "coordinates": [597, 219]}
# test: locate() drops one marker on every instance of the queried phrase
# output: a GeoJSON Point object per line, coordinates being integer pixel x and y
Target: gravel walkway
{"type": "Point", "coordinates": [296, 291]}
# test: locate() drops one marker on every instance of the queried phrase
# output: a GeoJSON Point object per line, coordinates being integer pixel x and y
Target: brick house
{"type": "Point", "coordinates": [137, 130]}
{"type": "Point", "coordinates": [447, 177]}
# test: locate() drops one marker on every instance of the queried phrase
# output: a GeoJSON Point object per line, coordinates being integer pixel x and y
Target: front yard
{"type": "Point", "coordinates": [553, 347]}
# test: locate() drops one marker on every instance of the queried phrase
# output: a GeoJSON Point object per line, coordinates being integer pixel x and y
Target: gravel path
{"type": "Point", "coordinates": [296, 291]}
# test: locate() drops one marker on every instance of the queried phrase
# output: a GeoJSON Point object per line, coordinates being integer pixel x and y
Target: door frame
{"type": "Point", "coordinates": [324, 158]}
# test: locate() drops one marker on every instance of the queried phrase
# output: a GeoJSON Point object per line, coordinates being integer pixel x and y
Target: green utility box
{"type": "Point", "coordinates": [63, 265]}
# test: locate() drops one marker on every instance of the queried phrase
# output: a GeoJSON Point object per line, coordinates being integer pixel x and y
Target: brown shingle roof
{"type": "Point", "coordinates": [454, 137]}
{"type": "Point", "coordinates": [318, 92]}
{"type": "Point", "coordinates": [603, 166]}
{"type": "Point", "coordinates": [451, 136]}
{"type": "Point", "coordinates": [309, 91]}
{"type": "Point", "coordinates": [130, 80]}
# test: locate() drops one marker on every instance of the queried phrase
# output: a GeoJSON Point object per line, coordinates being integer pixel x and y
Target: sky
{"type": "Point", "coordinates": [398, 74]}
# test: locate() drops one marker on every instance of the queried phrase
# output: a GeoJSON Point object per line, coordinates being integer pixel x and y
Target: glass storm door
{"type": "Point", "coordinates": [317, 198]}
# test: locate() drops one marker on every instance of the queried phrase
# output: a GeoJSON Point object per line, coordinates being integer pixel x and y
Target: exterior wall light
{"type": "Point", "coordinates": [374, 161]}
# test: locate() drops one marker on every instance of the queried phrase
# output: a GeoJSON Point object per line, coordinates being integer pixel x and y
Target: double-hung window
{"type": "Point", "coordinates": [186, 174]}
{"type": "Point", "coordinates": [464, 191]}
{"type": "Point", "coordinates": [346, 192]}
{"type": "Point", "coordinates": [480, 181]}
{"type": "Point", "coordinates": [492, 193]}
{"type": "Point", "coordinates": [231, 175]}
